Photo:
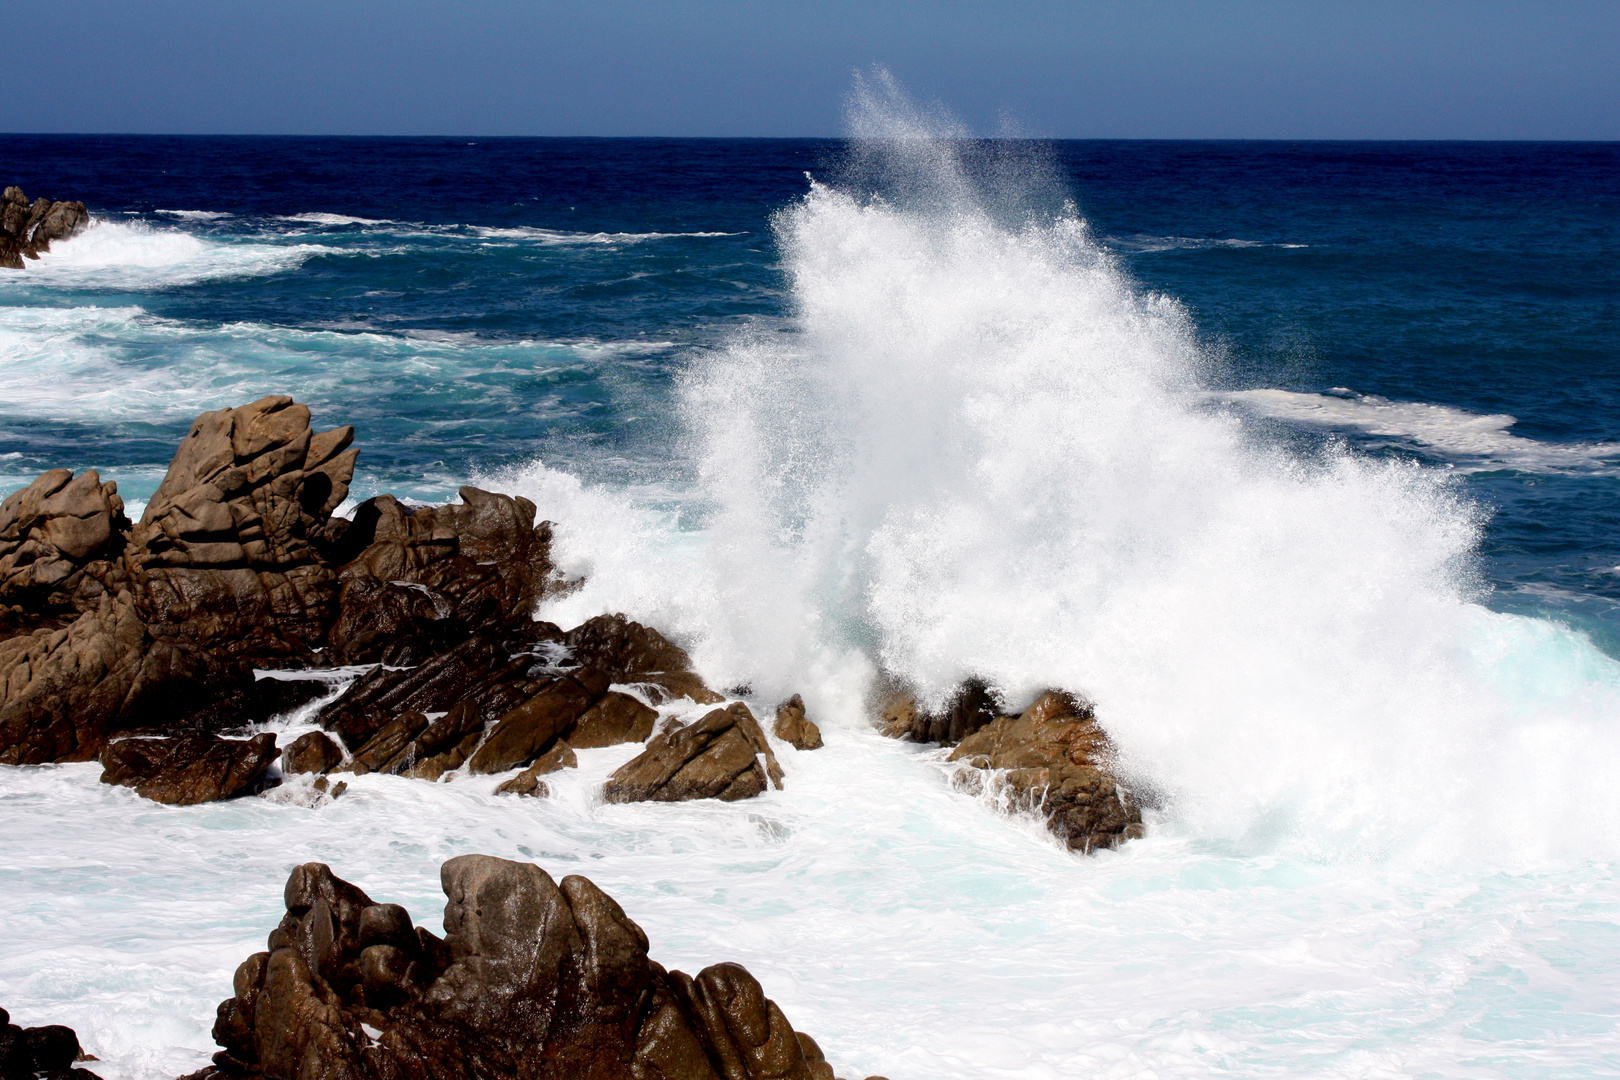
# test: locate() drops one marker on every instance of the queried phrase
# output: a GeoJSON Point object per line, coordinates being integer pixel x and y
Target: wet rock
{"type": "Point", "coordinates": [793, 727]}
{"type": "Point", "coordinates": [311, 752]}
{"type": "Point", "coordinates": [418, 580]}
{"type": "Point", "coordinates": [27, 230]}
{"type": "Point", "coordinates": [187, 769]}
{"type": "Point", "coordinates": [48, 1051]}
{"type": "Point", "coordinates": [529, 729]}
{"type": "Point", "coordinates": [723, 756]}
{"type": "Point", "coordinates": [1054, 760]}
{"type": "Point", "coordinates": [974, 705]}
{"type": "Point", "coordinates": [616, 718]}
{"type": "Point", "coordinates": [534, 979]}
{"type": "Point", "coordinates": [528, 782]}
{"type": "Point", "coordinates": [629, 652]}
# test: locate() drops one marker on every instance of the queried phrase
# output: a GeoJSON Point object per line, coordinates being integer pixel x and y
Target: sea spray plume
{"type": "Point", "coordinates": [982, 452]}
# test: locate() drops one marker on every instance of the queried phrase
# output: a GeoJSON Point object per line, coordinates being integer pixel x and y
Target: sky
{"type": "Point", "coordinates": [1311, 69]}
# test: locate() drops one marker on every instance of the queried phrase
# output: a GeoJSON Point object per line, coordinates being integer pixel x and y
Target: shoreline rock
{"type": "Point", "coordinates": [27, 229]}
{"type": "Point", "coordinates": [51, 1050]}
{"type": "Point", "coordinates": [534, 979]}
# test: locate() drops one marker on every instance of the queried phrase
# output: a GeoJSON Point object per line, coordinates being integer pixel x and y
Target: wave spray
{"type": "Point", "coordinates": [980, 449]}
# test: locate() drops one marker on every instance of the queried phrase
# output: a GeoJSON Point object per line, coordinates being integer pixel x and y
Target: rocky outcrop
{"type": "Point", "coordinates": [27, 229]}
{"type": "Point", "coordinates": [311, 752]}
{"type": "Point", "coordinates": [534, 979]}
{"type": "Point", "coordinates": [1053, 760]}
{"type": "Point", "coordinates": [49, 1051]}
{"type": "Point", "coordinates": [974, 705]}
{"type": "Point", "coordinates": [185, 769]}
{"type": "Point", "coordinates": [793, 727]}
{"type": "Point", "coordinates": [631, 653]}
{"type": "Point", "coordinates": [528, 782]}
{"type": "Point", "coordinates": [723, 756]}
{"type": "Point", "coordinates": [60, 542]}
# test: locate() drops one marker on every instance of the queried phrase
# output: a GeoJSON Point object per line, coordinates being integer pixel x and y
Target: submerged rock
{"type": "Point", "coordinates": [27, 229]}
{"type": "Point", "coordinates": [534, 979]}
{"type": "Point", "coordinates": [528, 782]}
{"type": "Point", "coordinates": [723, 756]}
{"type": "Point", "coordinates": [186, 769]}
{"type": "Point", "coordinates": [793, 727]}
{"type": "Point", "coordinates": [1053, 760]}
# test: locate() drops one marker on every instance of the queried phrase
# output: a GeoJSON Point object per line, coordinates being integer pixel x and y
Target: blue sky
{"type": "Point", "coordinates": [1086, 68]}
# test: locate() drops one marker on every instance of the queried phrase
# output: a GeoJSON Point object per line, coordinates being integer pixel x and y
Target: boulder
{"type": "Point", "coordinates": [60, 542]}
{"type": "Point", "coordinates": [186, 769]}
{"type": "Point", "coordinates": [311, 752]}
{"type": "Point", "coordinates": [528, 730]}
{"type": "Point", "coordinates": [793, 727]}
{"type": "Point", "coordinates": [616, 718]}
{"type": "Point", "coordinates": [723, 756]}
{"type": "Point", "coordinates": [49, 1051]}
{"type": "Point", "coordinates": [974, 704]}
{"type": "Point", "coordinates": [1053, 760]}
{"type": "Point", "coordinates": [528, 782]}
{"type": "Point", "coordinates": [632, 653]}
{"type": "Point", "coordinates": [534, 979]}
{"type": "Point", "coordinates": [27, 229]}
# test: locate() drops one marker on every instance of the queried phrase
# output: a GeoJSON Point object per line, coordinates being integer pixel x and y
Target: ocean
{"type": "Point", "coordinates": [1301, 460]}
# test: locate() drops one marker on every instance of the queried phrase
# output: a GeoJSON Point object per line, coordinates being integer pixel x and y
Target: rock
{"type": "Point", "coordinates": [974, 705]}
{"type": "Point", "coordinates": [528, 782]}
{"type": "Point", "coordinates": [419, 580]}
{"type": "Point", "coordinates": [616, 718]}
{"type": "Point", "coordinates": [792, 726]}
{"type": "Point", "coordinates": [528, 730]}
{"type": "Point", "coordinates": [27, 230]}
{"type": "Point", "coordinates": [229, 546]}
{"type": "Point", "coordinates": [1055, 758]}
{"type": "Point", "coordinates": [311, 752]}
{"type": "Point", "coordinates": [187, 769]}
{"type": "Point", "coordinates": [723, 756]}
{"type": "Point", "coordinates": [534, 979]}
{"type": "Point", "coordinates": [60, 540]}
{"type": "Point", "coordinates": [632, 653]}
{"type": "Point", "coordinates": [48, 1051]}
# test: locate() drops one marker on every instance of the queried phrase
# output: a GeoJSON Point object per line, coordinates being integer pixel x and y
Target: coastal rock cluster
{"type": "Point", "coordinates": [27, 228]}
{"type": "Point", "coordinates": [534, 979]}
{"type": "Point", "coordinates": [1053, 759]}
{"type": "Point", "coordinates": [144, 644]}
{"type": "Point", "coordinates": [51, 1051]}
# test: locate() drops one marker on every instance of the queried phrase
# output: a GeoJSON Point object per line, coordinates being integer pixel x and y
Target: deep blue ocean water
{"type": "Point", "coordinates": [472, 304]}
{"type": "Point", "coordinates": [913, 434]}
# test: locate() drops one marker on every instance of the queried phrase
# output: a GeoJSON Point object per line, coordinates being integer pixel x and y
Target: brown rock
{"type": "Point", "coordinates": [629, 652]}
{"type": "Point", "coordinates": [49, 1051]}
{"type": "Point", "coordinates": [974, 705]}
{"type": "Point", "coordinates": [534, 979]}
{"type": "Point", "coordinates": [528, 782]}
{"type": "Point", "coordinates": [60, 538]}
{"type": "Point", "coordinates": [188, 769]}
{"type": "Point", "coordinates": [723, 756]}
{"type": "Point", "coordinates": [311, 752]}
{"type": "Point", "coordinates": [1056, 758]}
{"type": "Point", "coordinates": [616, 718]}
{"type": "Point", "coordinates": [792, 726]}
{"type": "Point", "coordinates": [527, 730]}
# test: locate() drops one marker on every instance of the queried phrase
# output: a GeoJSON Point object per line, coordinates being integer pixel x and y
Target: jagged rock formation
{"type": "Point", "coordinates": [534, 979]}
{"type": "Point", "coordinates": [1053, 759]}
{"type": "Point", "coordinates": [49, 1051]}
{"type": "Point", "coordinates": [27, 229]}
{"type": "Point", "coordinates": [793, 727]}
{"type": "Point", "coordinates": [974, 705]}
{"type": "Point", "coordinates": [723, 756]}
{"type": "Point", "coordinates": [156, 628]}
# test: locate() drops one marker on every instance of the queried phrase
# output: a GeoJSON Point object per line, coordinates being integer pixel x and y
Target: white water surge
{"type": "Point", "coordinates": [1388, 834]}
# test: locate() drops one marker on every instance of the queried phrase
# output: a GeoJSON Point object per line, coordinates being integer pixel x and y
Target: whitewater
{"type": "Point", "coordinates": [1384, 816]}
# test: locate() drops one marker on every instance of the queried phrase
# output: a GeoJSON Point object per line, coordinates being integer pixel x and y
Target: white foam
{"type": "Point", "coordinates": [1475, 442]}
{"type": "Point", "coordinates": [563, 237]}
{"type": "Point", "coordinates": [195, 215]}
{"type": "Point", "coordinates": [337, 219]}
{"type": "Point", "coordinates": [1142, 242]}
{"type": "Point", "coordinates": [131, 255]}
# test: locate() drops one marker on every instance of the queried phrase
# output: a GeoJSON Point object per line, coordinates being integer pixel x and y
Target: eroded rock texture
{"type": "Point", "coordinates": [27, 228]}
{"type": "Point", "coordinates": [792, 726]}
{"type": "Point", "coordinates": [1053, 759]}
{"type": "Point", "coordinates": [534, 979]}
{"type": "Point", "coordinates": [723, 756]}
